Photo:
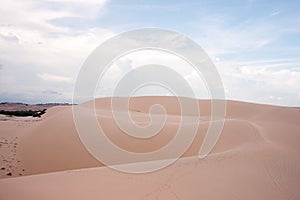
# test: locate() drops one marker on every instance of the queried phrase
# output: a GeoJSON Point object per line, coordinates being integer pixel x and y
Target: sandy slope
{"type": "Point", "coordinates": [256, 156]}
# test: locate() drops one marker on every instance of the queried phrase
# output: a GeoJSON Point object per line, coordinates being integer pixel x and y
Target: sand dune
{"type": "Point", "coordinates": [256, 156]}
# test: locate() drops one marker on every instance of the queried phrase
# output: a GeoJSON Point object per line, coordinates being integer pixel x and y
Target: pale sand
{"type": "Point", "coordinates": [256, 156]}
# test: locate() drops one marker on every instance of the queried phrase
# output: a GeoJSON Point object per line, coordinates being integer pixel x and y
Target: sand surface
{"type": "Point", "coordinates": [256, 157]}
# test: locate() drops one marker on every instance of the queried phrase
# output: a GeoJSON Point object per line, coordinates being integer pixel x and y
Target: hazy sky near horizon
{"type": "Point", "coordinates": [255, 44]}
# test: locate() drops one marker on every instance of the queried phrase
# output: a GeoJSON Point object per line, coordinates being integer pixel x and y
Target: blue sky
{"type": "Point", "coordinates": [254, 44]}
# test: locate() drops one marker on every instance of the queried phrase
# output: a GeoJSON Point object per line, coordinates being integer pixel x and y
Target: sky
{"type": "Point", "coordinates": [255, 45]}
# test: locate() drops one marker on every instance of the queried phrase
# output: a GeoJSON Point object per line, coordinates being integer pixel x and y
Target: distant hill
{"type": "Point", "coordinates": [8, 106]}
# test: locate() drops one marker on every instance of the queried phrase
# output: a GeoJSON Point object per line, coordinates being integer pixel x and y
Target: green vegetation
{"type": "Point", "coordinates": [24, 113]}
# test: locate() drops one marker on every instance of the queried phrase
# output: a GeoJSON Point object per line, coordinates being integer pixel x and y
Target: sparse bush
{"type": "Point", "coordinates": [24, 113]}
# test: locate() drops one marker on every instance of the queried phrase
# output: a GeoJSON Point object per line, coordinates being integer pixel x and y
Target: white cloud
{"type": "Point", "coordinates": [140, 58]}
{"type": "Point", "coordinates": [198, 84]}
{"type": "Point", "coordinates": [275, 12]}
{"type": "Point", "coordinates": [55, 78]}
{"type": "Point", "coordinates": [266, 81]}
{"type": "Point", "coordinates": [47, 54]}
{"type": "Point", "coordinates": [9, 37]}
{"type": "Point", "coordinates": [82, 8]}
{"type": "Point", "coordinates": [84, 2]}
